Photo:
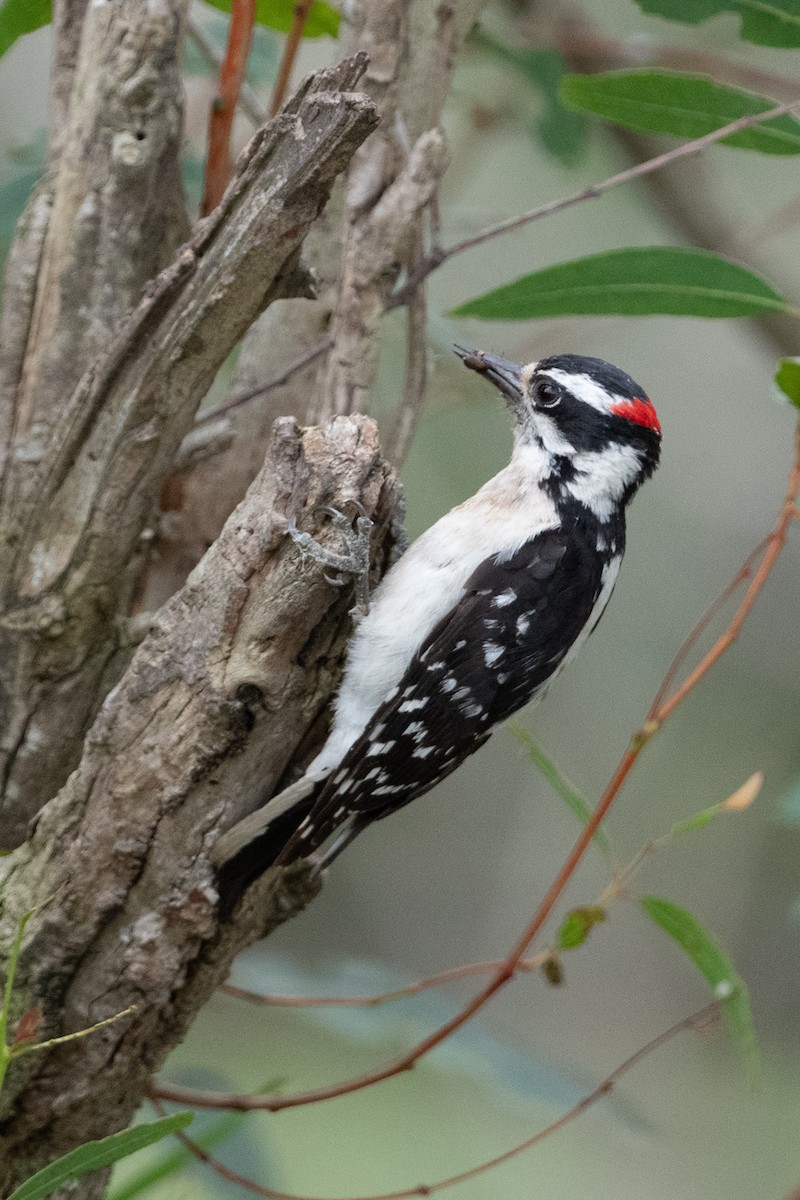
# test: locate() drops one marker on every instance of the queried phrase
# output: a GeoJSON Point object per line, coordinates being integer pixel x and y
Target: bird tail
{"type": "Point", "coordinates": [246, 850]}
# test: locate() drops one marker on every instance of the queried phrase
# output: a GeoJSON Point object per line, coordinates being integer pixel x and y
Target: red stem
{"type": "Point", "coordinates": [223, 109]}
{"type": "Point", "coordinates": [293, 39]}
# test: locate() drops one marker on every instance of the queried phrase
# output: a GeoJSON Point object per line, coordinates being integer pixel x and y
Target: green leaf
{"type": "Point", "coordinates": [636, 282]}
{"type": "Point", "coordinates": [763, 22]}
{"type": "Point", "coordinates": [573, 799]}
{"type": "Point", "coordinates": [685, 106]}
{"type": "Point", "coordinates": [562, 133]}
{"type": "Point", "coordinates": [578, 924]}
{"type": "Point", "coordinates": [22, 16]}
{"type": "Point", "coordinates": [278, 14]}
{"type": "Point", "coordinates": [94, 1155]}
{"type": "Point", "coordinates": [212, 1136]}
{"type": "Point", "coordinates": [714, 964]}
{"type": "Point", "coordinates": [172, 1163]}
{"type": "Point", "coordinates": [698, 821]}
{"type": "Point", "coordinates": [787, 378]}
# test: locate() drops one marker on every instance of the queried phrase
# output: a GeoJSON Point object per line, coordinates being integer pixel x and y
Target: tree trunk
{"type": "Point", "coordinates": [121, 764]}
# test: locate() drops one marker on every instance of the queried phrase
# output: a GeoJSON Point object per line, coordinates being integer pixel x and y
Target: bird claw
{"type": "Point", "coordinates": [355, 559]}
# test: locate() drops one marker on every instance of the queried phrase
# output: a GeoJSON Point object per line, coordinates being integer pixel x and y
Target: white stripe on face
{"type": "Point", "coordinates": [584, 388]}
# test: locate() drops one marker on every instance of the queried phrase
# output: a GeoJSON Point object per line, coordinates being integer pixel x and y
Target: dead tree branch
{"type": "Point", "coordinates": [237, 669]}
{"type": "Point", "coordinates": [413, 46]}
{"type": "Point", "coordinates": [66, 551]}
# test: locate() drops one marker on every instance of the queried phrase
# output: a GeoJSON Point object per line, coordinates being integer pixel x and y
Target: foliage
{"type": "Point", "coordinates": [636, 282]}
{"type": "Point", "coordinates": [787, 377]}
{"type": "Point", "coordinates": [685, 106]}
{"type": "Point", "coordinates": [558, 781]}
{"type": "Point", "coordinates": [716, 967]}
{"type": "Point", "coordinates": [774, 24]}
{"type": "Point", "coordinates": [18, 17]}
{"type": "Point", "coordinates": [561, 133]}
{"type": "Point", "coordinates": [278, 14]}
{"type": "Point", "coordinates": [92, 1156]}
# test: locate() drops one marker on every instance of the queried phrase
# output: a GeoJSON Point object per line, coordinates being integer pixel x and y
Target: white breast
{"type": "Point", "coordinates": [426, 583]}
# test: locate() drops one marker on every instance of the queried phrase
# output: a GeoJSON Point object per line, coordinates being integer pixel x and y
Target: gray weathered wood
{"type": "Point", "coordinates": [231, 680]}
{"type": "Point", "coordinates": [68, 551]}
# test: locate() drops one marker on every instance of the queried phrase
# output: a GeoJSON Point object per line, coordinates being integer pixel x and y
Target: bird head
{"type": "Point", "coordinates": [585, 424]}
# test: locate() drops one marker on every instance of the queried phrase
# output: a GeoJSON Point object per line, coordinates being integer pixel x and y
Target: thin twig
{"type": "Point", "coordinates": [222, 410]}
{"type": "Point", "coordinates": [593, 192]}
{"type": "Point", "coordinates": [270, 999]}
{"type": "Point", "coordinates": [405, 424]}
{"type": "Point", "coordinates": [696, 1021]}
{"type": "Point", "coordinates": [743, 574]}
{"type": "Point", "coordinates": [248, 100]}
{"type": "Point", "coordinates": [293, 40]}
{"type": "Point", "coordinates": [775, 543]}
{"type": "Point", "coordinates": [223, 108]}
{"type": "Point", "coordinates": [509, 967]}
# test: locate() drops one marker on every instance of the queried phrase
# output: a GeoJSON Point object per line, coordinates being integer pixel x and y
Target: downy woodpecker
{"type": "Point", "coordinates": [483, 611]}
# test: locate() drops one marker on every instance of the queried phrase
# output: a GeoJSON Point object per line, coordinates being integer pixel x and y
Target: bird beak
{"type": "Point", "coordinates": [504, 374]}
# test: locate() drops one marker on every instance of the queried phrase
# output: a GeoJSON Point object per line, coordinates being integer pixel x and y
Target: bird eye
{"type": "Point", "coordinates": [546, 394]}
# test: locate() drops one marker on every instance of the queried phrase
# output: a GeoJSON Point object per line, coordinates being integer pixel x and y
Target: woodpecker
{"type": "Point", "coordinates": [483, 611]}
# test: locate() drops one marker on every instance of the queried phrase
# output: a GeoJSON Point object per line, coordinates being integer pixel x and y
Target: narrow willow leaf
{"type": "Point", "coordinates": [174, 1163]}
{"type": "Point", "coordinates": [787, 378]}
{"type": "Point", "coordinates": [634, 282]}
{"type": "Point", "coordinates": [714, 964]}
{"type": "Point", "coordinates": [22, 16]}
{"type": "Point", "coordinates": [562, 133]}
{"type": "Point", "coordinates": [278, 14]}
{"type": "Point", "coordinates": [94, 1155]}
{"type": "Point", "coordinates": [685, 106]}
{"type": "Point", "coordinates": [698, 821]}
{"type": "Point", "coordinates": [210, 1138]}
{"type": "Point", "coordinates": [576, 803]}
{"type": "Point", "coordinates": [763, 22]}
{"type": "Point", "coordinates": [578, 924]}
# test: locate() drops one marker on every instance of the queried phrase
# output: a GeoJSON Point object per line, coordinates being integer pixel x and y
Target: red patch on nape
{"type": "Point", "coordinates": [641, 412]}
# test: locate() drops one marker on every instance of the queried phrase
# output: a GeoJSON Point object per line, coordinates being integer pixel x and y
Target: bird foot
{"type": "Point", "coordinates": [354, 562]}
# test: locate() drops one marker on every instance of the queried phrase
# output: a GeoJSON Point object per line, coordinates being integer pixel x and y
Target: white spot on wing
{"type": "Point", "coordinates": [379, 748]}
{"type": "Point", "coordinates": [491, 652]}
{"type": "Point", "coordinates": [506, 597]}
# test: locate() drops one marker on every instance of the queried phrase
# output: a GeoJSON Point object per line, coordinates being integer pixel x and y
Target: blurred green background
{"type": "Point", "coordinates": [455, 877]}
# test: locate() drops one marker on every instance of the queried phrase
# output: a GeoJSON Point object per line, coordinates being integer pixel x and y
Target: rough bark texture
{"type": "Point", "coordinates": [238, 667]}
{"type": "Point", "coordinates": [227, 692]}
{"type": "Point", "coordinates": [65, 561]}
{"type": "Point", "coordinates": [370, 232]}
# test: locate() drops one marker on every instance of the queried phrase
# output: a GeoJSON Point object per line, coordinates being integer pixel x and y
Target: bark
{"type": "Point", "coordinates": [236, 671]}
{"type": "Point", "coordinates": [226, 694]}
{"type": "Point", "coordinates": [413, 46]}
{"type": "Point", "coordinates": [68, 549]}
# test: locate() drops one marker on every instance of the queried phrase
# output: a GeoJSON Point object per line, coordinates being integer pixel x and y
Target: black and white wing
{"type": "Point", "coordinates": [494, 651]}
